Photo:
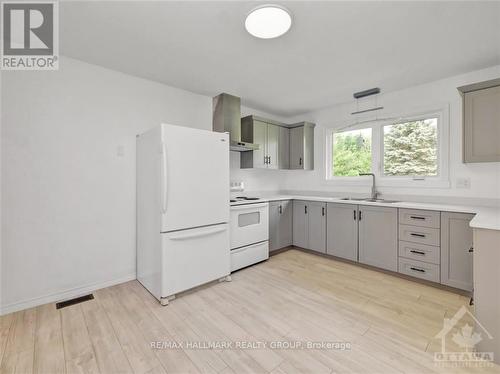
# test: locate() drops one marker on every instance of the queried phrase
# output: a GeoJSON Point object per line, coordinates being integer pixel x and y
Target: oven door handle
{"type": "Point", "coordinates": [249, 206]}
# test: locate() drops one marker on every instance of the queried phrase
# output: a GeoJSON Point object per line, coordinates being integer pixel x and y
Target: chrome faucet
{"type": "Point", "coordinates": [374, 188]}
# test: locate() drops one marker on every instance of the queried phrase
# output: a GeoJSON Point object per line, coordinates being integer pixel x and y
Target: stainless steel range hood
{"type": "Point", "coordinates": [227, 118]}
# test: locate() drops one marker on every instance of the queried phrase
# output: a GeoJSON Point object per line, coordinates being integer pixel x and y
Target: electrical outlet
{"type": "Point", "coordinates": [237, 186]}
{"type": "Point", "coordinates": [463, 182]}
{"type": "Point", "coordinates": [120, 151]}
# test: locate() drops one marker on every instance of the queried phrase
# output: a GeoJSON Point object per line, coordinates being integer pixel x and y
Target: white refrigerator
{"type": "Point", "coordinates": [182, 209]}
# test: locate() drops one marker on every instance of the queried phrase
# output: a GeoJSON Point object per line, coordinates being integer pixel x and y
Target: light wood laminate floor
{"type": "Point", "coordinates": [295, 296]}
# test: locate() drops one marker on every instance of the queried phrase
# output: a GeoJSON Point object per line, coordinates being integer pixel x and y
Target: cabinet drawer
{"type": "Point", "coordinates": [420, 252]}
{"type": "Point", "coordinates": [422, 218]}
{"type": "Point", "coordinates": [419, 269]}
{"type": "Point", "coordinates": [422, 235]}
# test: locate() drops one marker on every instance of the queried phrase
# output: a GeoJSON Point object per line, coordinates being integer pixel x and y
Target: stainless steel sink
{"type": "Point", "coordinates": [370, 200]}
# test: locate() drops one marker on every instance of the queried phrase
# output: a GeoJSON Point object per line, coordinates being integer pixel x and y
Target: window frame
{"type": "Point", "coordinates": [330, 167]}
{"type": "Point", "coordinates": [441, 180]}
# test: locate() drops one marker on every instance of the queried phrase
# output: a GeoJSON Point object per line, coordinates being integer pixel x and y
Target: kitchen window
{"type": "Point", "coordinates": [410, 148]}
{"type": "Point", "coordinates": [352, 152]}
{"type": "Point", "coordinates": [407, 152]}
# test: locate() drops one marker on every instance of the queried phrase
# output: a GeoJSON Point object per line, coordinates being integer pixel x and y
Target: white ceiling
{"type": "Point", "coordinates": [332, 49]}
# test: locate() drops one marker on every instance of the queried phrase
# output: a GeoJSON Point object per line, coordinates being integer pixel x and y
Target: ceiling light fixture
{"type": "Point", "coordinates": [268, 21]}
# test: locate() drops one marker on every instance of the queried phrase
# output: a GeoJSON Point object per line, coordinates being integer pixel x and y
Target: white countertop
{"type": "Point", "coordinates": [486, 217]}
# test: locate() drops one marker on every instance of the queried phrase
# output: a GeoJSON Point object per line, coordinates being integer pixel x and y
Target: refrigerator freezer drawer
{"type": "Point", "coordinates": [249, 255]}
{"type": "Point", "coordinates": [193, 257]}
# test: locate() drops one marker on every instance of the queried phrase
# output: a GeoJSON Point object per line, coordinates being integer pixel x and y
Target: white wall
{"type": "Point", "coordinates": [485, 177]}
{"type": "Point", "coordinates": [68, 199]}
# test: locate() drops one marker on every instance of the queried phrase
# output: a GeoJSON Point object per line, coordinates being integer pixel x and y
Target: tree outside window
{"type": "Point", "coordinates": [352, 152]}
{"type": "Point", "coordinates": [410, 148]}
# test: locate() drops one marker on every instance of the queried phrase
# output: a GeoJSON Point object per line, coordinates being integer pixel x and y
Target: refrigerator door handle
{"type": "Point", "coordinates": [164, 178]}
{"type": "Point", "coordinates": [197, 234]}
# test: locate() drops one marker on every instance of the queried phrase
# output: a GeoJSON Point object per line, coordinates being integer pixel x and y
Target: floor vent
{"type": "Point", "coordinates": [74, 301]}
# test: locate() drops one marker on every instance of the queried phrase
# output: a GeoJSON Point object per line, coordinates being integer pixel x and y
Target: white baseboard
{"type": "Point", "coordinates": [63, 295]}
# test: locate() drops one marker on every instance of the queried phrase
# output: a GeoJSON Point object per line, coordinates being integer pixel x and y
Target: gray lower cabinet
{"type": "Point", "coordinates": [431, 245]}
{"type": "Point", "coordinates": [378, 237]}
{"type": "Point", "coordinates": [300, 224]}
{"type": "Point", "coordinates": [342, 231]}
{"type": "Point", "coordinates": [456, 247]}
{"type": "Point", "coordinates": [280, 224]}
{"type": "Point", "coordinates": [309, 225]}
{"type": "Point", "coordinates": [316, 212]}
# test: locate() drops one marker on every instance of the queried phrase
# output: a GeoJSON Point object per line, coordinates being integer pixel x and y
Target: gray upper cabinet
{"type": "Point", "coordinates": [481, 121]}
{"type": "Point", "coordinates": [273, 143]}
{"type": "Point", "coordinates": [378, 237]}
{"type": "Point", "coordinates": [255, 133]}
{"type": "Point", "coordinates": [302, 146]}
{"type": "Point", "coordinates": [273, 136]}
{"type": "Point", "coordinates": [456, 247]}
{"type": "Point", "coordinates": [342, 231]}
{"type": "Point", "coordinates": [309, 225]}
{"type": "Point", "coordinates": [284, 148]}
{"type": "Point", "coordinates": [280, 224]}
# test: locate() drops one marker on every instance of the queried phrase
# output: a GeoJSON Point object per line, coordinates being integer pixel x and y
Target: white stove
{"type": "Point", "coordinates": [249, 231]}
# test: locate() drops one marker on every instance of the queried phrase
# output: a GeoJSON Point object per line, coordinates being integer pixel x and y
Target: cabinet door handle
{"type": "Point", "coordinates": [269, 160]}
{"type": "Point", "coordinates": [360, 215]}
{"type": "Point", "coordinates": [417, 252]}
{"type": "Point", "coordinates": [417, 217]}
{"type": "Point", "coordinates": [417, 269]}
{"type": "Point", "coordinates": [354, 211]}
{"type": "Point", "coordinates": [418, 235]}
{"type": "Point", "coordinates": [305, 209]}
{"type": "Point", "coordinates": [281, 210]}
{"type": "Point", "coordinates": [300, 161]}
{"type": "Point", "coordinates": [323, 211]}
